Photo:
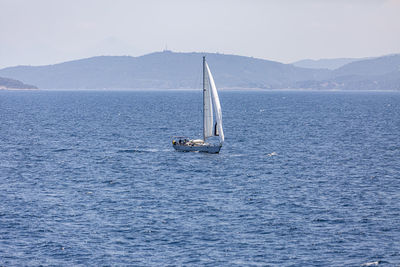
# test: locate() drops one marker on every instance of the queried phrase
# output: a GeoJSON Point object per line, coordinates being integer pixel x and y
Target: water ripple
{"type": "Point", "coordinates": [304, 179]}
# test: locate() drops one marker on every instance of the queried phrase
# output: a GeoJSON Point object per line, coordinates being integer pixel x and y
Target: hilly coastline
{"type": "Point", "coordinates": [172, 70]}
{"type": "Point", "coordinates": [7, 83]}
{"type": "Point", "coordinates": [381, 73]}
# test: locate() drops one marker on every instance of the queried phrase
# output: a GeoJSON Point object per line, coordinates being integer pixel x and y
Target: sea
{"type": "Point", "coordinates": [304, 178]}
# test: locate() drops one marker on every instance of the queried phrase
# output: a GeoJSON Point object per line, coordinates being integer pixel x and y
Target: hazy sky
{"type": "Point", "coordinates": [51, 31]}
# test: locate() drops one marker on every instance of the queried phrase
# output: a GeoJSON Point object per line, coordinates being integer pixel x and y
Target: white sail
{"type": "Point", "coordinates": [207, 108]}
{"type": "Point", "coordinates": [217, 106]}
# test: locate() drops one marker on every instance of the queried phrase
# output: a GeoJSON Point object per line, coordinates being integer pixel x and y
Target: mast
{"type": "Point", "coordinates": [204, 95]}
{"type": "Point", "coordinates": [207, 103]}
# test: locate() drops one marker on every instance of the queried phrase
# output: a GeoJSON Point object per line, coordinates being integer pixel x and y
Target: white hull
{"type": "Point", "coordinates": [202, 148]}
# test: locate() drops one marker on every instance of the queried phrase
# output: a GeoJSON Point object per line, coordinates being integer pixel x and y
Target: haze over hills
{"type": "Point", "coordinates": [324, 63]}
{"type": "Point", "coordinates": [171, 70]}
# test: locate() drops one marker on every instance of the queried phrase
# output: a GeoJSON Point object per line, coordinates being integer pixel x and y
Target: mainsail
{"type": "Point", "coordinates": [207, 105]}
{"type": "Point", "coordinates": [217, 106]}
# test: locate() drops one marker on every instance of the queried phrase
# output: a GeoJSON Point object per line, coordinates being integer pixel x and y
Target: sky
{"type": "Point", "coordinates": [45, 32]}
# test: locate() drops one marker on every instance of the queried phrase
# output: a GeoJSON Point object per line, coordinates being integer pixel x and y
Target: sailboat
{"type": "Point", "coordinates": [211, 109]}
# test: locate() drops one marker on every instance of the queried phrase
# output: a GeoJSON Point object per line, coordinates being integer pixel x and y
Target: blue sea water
{"type": "Point", "coordinates": [304, 179]}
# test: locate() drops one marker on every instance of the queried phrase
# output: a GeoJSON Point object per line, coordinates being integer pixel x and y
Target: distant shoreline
{"type": "Point", "coordinates": [197, 90]}
{"type": "Point", "coordinates": [17, 89]}
{"type": "Point", "coordinates": [162, 70]}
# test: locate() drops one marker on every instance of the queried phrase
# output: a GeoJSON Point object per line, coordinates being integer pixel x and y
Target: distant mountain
{"type": "Point", "coordinates": [374, 66]}
{"type": "Point", "coordinates": [7, 83]}
{"type": "Point", "coordinates": [170, 70]}
{"type": "Point", "coordinates": [382, 73]}
{"type": "Point", "coordinates": [163, 70]}
{"type": "Point", "coordinates": [324, 63]}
